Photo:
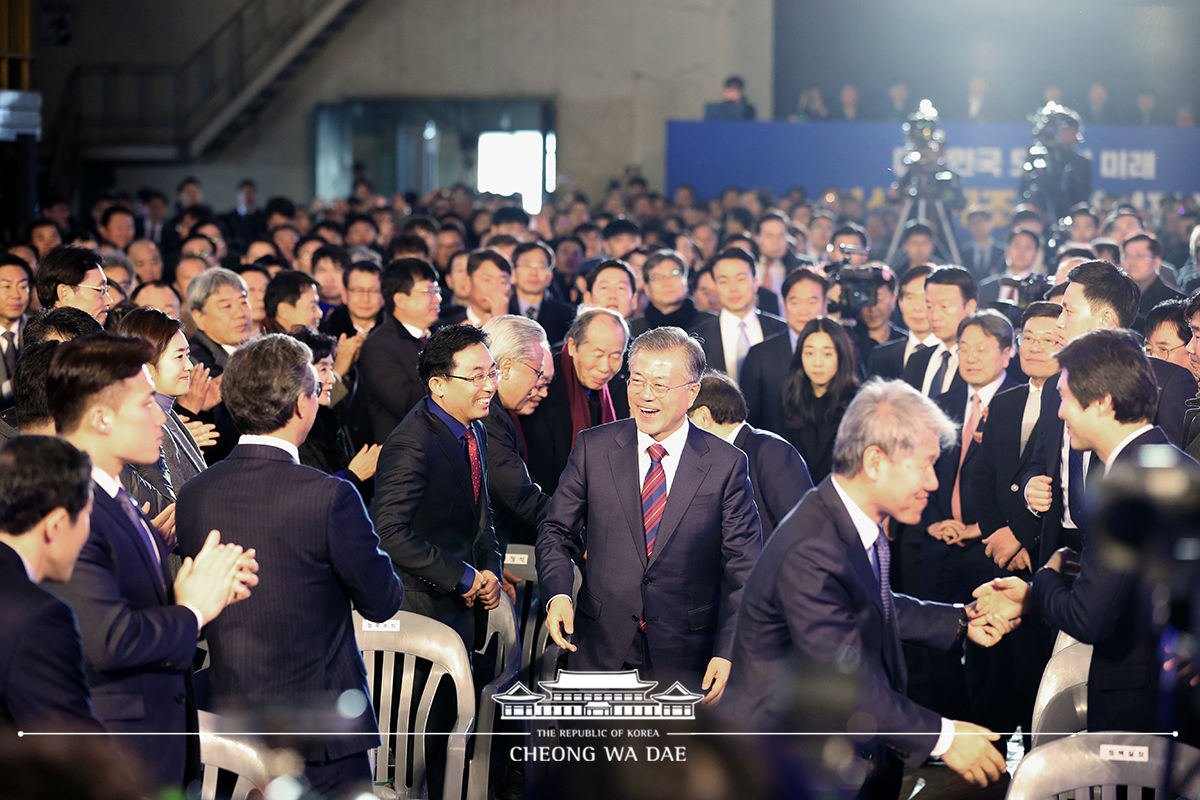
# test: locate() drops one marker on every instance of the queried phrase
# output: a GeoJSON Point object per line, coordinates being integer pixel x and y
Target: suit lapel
{"type": "Point", "coordinates": [623, 461]}
{"type": "Point", "coordinates": [693, 466]}
{"type": "Point", "coordinates": [133, 537]}
{"type": "Point", "coordinates": [451, 452]}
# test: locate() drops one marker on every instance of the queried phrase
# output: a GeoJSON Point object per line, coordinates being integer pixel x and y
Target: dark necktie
{"type": "Point", "coordinates": [476, 465]}
{"type": "Point", "coordinates": [593, 397]}
{"type": "Point", "coordinates": [935, 388]}
{"type": "Point", "coordinates": [129, 508]}
{"type": "Point", "coordinates": [531, 312]}
{"type": "Point", "coordinates": [654, 496]}
{"type": "Point", "coordinates": [883, 569]}
{"type": "Point", "coordinates": [10, 353]}
{"type": "Point", "coordinates": [1076, 479]}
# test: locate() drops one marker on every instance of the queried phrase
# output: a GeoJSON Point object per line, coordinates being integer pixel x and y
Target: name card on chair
{"type": "Point", "coordinates": [516, 558]}
{"type": "Point", "coordinates": [386, 625]}
{"type": "Point", "coordinates": [1124, 752]}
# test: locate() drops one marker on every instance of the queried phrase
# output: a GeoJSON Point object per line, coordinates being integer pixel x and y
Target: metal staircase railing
{"type": "Point", "coordinates": [176, 111]}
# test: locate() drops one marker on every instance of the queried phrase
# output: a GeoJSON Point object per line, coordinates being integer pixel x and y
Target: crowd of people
{"type": "Point", "coordinates": [758, 434]}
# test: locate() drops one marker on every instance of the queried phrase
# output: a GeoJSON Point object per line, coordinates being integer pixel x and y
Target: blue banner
{"type": "Point", "coordinates": [1140, 162]}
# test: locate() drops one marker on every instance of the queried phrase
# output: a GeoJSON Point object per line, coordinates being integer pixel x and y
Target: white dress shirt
{"type": "Point", "coordinates": [730, 333]}
{"type": "Point", "coordinates": [932, 367]}
{"type": "Point", "coordinates": [986, 393]}
{"type": "Point", "coordinates": [673, 444]}
{"type": "Point", "coordinates": [913, 343]}
{"type": "Point", "coordinates": [1112, 457]}
{"type": "Point", "coordinates": [271, 441]}
{"type": "Point", "coordinates": [868, 532]}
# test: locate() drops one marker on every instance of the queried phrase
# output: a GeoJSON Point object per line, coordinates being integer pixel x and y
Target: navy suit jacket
{"type": "Point", "coordinates": [689, 590]}
{"type": "Point", "coordinates": [709, 331]}
{"type": "Point", "coordinates": [764, 372]}
{"type": "Point", "coordinates": [914, 373]}
{"type": "Point", "coordinates": [777, 473]}
{"type": "Point", "coordinates": [1176, 386]}
{"type": "Point", "coordinates": [292, 641]}
{"type": "Point", "coordinates": [1105, 607]}
{"type": "Point", "coordinates": [42, 684]}
{"type": "Point", "coordinates": [887, 360]}
{"type": "Point", "coordinates": [814, 596]}
{"type": "Point", "coordinates": [388, 383]}
{"type": "Point", "coordinates": [428, 519]}
{"type": "Point", "coordinates": [995, 483]}
{"type": "Point", "coordinates": [137, 645]}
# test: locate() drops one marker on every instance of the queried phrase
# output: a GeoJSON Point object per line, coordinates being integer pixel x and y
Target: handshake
{"type": "Point", "coordinates": [1009, 598]}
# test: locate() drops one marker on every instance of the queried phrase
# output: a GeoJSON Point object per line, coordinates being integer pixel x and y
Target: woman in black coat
{"type": "Point", "coordinates": [822, 382]}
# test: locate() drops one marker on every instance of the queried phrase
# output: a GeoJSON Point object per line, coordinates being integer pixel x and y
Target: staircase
{"type": "Point", "coordinates": [118, 112]}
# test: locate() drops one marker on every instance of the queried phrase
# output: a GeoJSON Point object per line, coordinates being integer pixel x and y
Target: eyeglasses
{"type": "Point", "coordinates": [1163, 352]}
{"type": "Point", "coordinates": [662, 276]}
{"type": "Point", "coordinates": [491, 376]}
{"type": "Point", "coordinates": [539, 373]}
{"type": "Point", "coordinates": [97, 289]}
{"type": "Point", "coordinates": [637, 384]}
{"type": "Point", "coordinates": [1049, 342]}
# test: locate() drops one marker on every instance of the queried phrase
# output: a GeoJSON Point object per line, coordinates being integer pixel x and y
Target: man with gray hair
{"type": "Point", "coordinates": [295, 644]}
{"type": "Point", "coordinates": [518, 345]}
{"type": "Point", "coordinates": [672, 532]}
{"type": "Point", "coordinates": [821, 592]}
{"type": "Point", "coordinates": [217, 299]}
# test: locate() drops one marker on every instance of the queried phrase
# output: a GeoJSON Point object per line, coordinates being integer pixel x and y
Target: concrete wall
{"type": "Point", "coordinates": [617, 70]}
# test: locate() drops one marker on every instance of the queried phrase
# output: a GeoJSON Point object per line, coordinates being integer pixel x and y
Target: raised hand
{"type": "Point", "coordinates": [365, 461]}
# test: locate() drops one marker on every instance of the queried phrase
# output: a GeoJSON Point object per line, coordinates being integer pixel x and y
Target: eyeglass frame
{"type": "Point", "coordinates": [1168, 351]}
{"type": "Point", "coordinates": [659, 394]}
{"type": "Point", "coordinates": [493, 375]}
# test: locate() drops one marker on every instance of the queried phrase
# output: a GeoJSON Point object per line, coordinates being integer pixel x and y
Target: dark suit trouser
{"type": "Point", "coordinates": [884, 778]}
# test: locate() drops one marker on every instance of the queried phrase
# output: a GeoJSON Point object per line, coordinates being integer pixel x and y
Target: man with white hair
{"type": "Point", "coordinates": [821, 591]}
{"type": "Point", "coordinates": [519, 346]}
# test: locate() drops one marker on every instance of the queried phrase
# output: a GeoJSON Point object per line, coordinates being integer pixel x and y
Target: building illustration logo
{"type": "Point", "coordinates": [591, 695]}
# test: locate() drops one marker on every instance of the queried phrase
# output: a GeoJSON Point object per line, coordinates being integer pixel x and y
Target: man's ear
{"type": "Point", "coordinates": [53, 524]}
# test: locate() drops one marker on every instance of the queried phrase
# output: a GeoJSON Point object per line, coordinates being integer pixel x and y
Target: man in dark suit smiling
{"type": "Point", "coordinates": [663, 575]}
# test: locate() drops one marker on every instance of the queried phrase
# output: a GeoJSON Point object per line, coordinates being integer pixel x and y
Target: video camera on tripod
{"type": "Point", "coordinates": [927, 180]}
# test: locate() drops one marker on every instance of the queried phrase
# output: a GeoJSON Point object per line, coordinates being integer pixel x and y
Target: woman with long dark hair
{"type": "Point", "coordinates": [822, 382]}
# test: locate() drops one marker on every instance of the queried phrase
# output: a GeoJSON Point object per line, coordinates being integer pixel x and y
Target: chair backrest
{"type": "Point", "coordinates": [1064, 714]}
{"type": "Point", "coordinates": [223, 753]}
{"type": "Point", "coordinates": [391, 651]}
{"type": "Point", "coordinates": [538, 654]}
{"type": "Point", "coordinates": [1062, 642]}
{"type": "Point", "coordinates": [1066, 669]}
{"type": "Point", "coordinates": [1096, 764]}
{"type": "Point", "coordinates": [501, 646]}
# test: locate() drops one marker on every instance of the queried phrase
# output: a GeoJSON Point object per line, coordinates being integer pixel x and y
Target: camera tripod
{"type": "Point", "coordinates": [947, 232]}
